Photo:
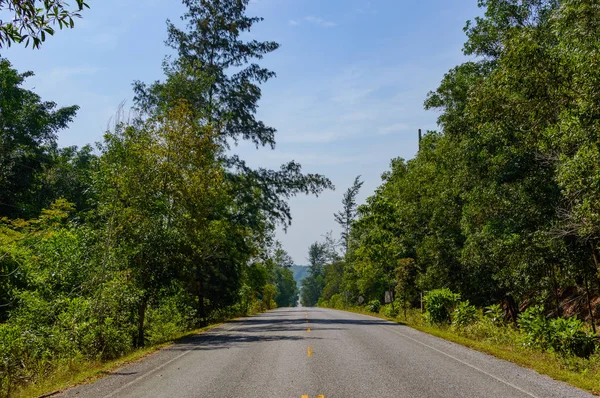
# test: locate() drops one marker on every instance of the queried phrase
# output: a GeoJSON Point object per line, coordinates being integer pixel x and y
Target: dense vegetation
{"type": "Point", "coordinates": [153, 231]}
{"type": "Point", "coordinates": [502, 205]}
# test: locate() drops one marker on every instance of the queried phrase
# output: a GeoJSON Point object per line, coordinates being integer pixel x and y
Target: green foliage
{"type": "Point", "coordinates": [157, 229]}
{"type": "Point", "coordinates": [373, 306]}
{"type": "Point", "coordinates": [28, 129]}
{"type": "Point", "coordinates": [440, 304]}
{"type": "Point", "coordinates": [494, 313]}
{"type": "Point", "coordinates": [337, 301]}
{"type": "Point", "coordinates": [31, 21]}
{"type": "Point", "coordinates": [390, 310]}
{"type": "Point", "coordinates": [346, 216]}
{"type": "Point", "coordinates": [501, 205]}
{"type": "Point", "coordinates": [566, 336]}
{"type": "Point", "coordinates": [287, 290]}
{"type": "Point", "coordinates": [464, 315]}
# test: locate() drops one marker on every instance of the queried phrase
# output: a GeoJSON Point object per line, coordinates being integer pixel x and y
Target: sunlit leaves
{"type": "Point", "coordinates": [32, 21]}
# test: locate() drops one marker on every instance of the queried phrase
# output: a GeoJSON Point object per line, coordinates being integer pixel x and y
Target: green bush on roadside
{"type": "Point", "coordinates": [337, 301]}
{"type": "Point", "coordinates": [373, 306]}
{"type": "Point", "coordinates": [391, 311]}
{"type": "Point", "coordinates": [566, 336]}
{"type": "Point", "coordinates": [439, 305]}
{"type": "Point", "coordinates": [464, 315]}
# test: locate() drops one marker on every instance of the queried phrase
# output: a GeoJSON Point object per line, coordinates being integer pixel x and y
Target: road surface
{"type": "Point", "coordinates": [314, 352]}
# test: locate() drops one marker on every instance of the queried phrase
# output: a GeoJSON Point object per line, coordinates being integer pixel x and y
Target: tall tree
{"type": "Point", "coordinates": [28, 128]}
{"type": "Point", "coordinates": [215, 72]}
{"type": "Point", "coordinates": [346, 216]}
{"type": "Point", "coordinates": [212, 45]}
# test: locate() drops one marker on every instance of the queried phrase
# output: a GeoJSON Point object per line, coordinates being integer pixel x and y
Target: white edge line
{"type": "Point", "coordinates": [118, 390]}
{"type": "Point", "coordinates": [463, 362]}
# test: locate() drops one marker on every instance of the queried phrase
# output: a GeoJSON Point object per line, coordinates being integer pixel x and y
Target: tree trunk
{"type": "Point", "coordinates": [555, 288]}
{"type": "Point", "coordinates": [589, 303]}
{"type": "Point", "coordinates": [201, 310]}
{"type": "Point", "coordinates": [510, 310]}
{"type": "Point", "coordinates": [141, 318]}
{"type": "Point", "coordinates": [596, 263]}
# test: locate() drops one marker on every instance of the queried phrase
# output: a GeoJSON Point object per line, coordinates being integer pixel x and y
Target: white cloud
{"type": "Point", "coordinates": [320, 21]}
{"type": "Point", "coordinates": [394, 128]}
{"type": "Point", "coordinates": [312, 20]}
{"type": "Point", "coordinates": [308, 137]}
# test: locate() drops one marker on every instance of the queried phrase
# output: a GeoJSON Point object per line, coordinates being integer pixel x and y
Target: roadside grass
{"type": "Point", "coordinates": [82, 371]}
{"type": "Point", "coordinates": [578, 372]}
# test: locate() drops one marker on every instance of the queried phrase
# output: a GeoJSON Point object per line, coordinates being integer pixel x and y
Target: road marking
{"type": "Point", "coordinates": [463, 362]}
{"type": "Point", "coordinates": [309, 351]}
{"type": "Point", "coordinates": [118, 390]}
{"type": "Point", "coordinates": [320, 396]}
{"type": "Point", "coordinates": [308, 330]}
{"type": "Point", "coordinates": [305, 396]}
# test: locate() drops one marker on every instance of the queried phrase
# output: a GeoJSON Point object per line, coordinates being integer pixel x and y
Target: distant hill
{"type": "Point", "coordinates": [300, 272]}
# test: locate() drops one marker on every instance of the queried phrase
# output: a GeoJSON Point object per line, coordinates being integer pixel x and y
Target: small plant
{"type": "Point", "coordinates": [390, 311]}
{"type": "Point", "coordinates": [439, 304]}
{"type": "Point", "coordinates": [565, 336]}
{"type": "Point", "coordinates": [494, 313]}
{"type": "Point", "coordinates": [464, 315]}
{"type": "Point", "coordinates": [373, 306]}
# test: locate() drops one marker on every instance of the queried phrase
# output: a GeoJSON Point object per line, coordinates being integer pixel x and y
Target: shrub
{"type": "Point", "coordinates": [373, 306]}
{"type": "Point", "coordinates": [439, 304]}
{"type": "Point", "coordinates": [464, 315]}
{"type": "Point", "coordinates": [337, 301]}
{"type": "Point", "coordinates": [165, 322]}
{"type": "Point", "coordinates": [494, 313]}
{"type": "Point", "coordinates": [565, 336]}
{"type": "Point", "coordinates": [390, 311]}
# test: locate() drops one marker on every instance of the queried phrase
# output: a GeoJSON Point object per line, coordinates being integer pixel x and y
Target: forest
{"type": "Point", "coordinates": [158, 229]}
{"type": "Point", "coordinates": [500, 207]}
{"type": "Point", "coordinates": [155, 230]}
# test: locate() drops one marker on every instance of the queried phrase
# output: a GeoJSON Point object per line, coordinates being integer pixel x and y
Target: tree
{"type": "Point", "coordinates": [313, 284]}
{"type": "Point", "coordinates": [281, 257]}
{"type": "Point", "coordinates": [213, 72]}
{"type": "Point", "coordinates": [287, 290]}
{"type": "Point", "coordinates": [160, 183]}
{"type": "Point", "coordinates": [212, 45]}
{"type": "Point", "coordinates": [28, 129]}
{"type": "Point", "coordinates": [346, 216]}
{"type": "Point", "coordinates": [32, 20]}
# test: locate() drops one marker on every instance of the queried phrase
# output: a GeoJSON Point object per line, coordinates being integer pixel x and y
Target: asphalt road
{"type": "Point", "coordinates": [312, 352]}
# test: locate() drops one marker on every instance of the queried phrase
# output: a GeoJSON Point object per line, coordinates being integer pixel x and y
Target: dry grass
{"type": "Point", "coordinates": [82, 371]}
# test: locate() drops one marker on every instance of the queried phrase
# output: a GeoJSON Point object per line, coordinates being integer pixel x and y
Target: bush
{"type": "Point", "coordinates": [373, 306]}
{"type": "Point", "coordinates": [439, 304]}
{"type": "Point", "coordinates": [464, 315]}
{"type": "Point", "coordinates": [390, 311]}
{"type": "Point", "coordinates": [165, 322]}
{"type": "Point", "coordinates": [337, 301]}
{"type": "Point", "coordinates": [565, 336]}
{"type": "Point", "coordinates": [494, 313]}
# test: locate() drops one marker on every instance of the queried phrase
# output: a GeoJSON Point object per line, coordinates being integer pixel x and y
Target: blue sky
{"type": "Point", "coordinates": [352, 76]}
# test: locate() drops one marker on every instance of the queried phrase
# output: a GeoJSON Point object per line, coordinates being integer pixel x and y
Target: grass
{"type": "Point", "coordinates": [83, 371]}
{"type": "Point", "coordinates": [578, 372]}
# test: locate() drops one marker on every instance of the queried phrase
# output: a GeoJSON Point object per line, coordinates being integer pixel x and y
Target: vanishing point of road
{"type": "Point", "coordinates": [315, 352]}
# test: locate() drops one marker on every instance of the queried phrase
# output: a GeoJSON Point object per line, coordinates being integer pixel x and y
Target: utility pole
{"type": "Point", "coordinates": [420, 137]}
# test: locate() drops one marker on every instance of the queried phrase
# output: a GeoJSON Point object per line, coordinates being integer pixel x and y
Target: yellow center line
{"type": "Point", "coordinates": [309, 351]}
{"type": "Point", "coordinates": [320, 396]}
{"type": "Point", "coordinates": [305, 396]}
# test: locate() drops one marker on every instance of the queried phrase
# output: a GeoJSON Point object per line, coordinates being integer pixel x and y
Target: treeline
{"type": "Point", "coordinates": [157, 229]}
{"type": "Point", "coordinates": [502, 205]}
